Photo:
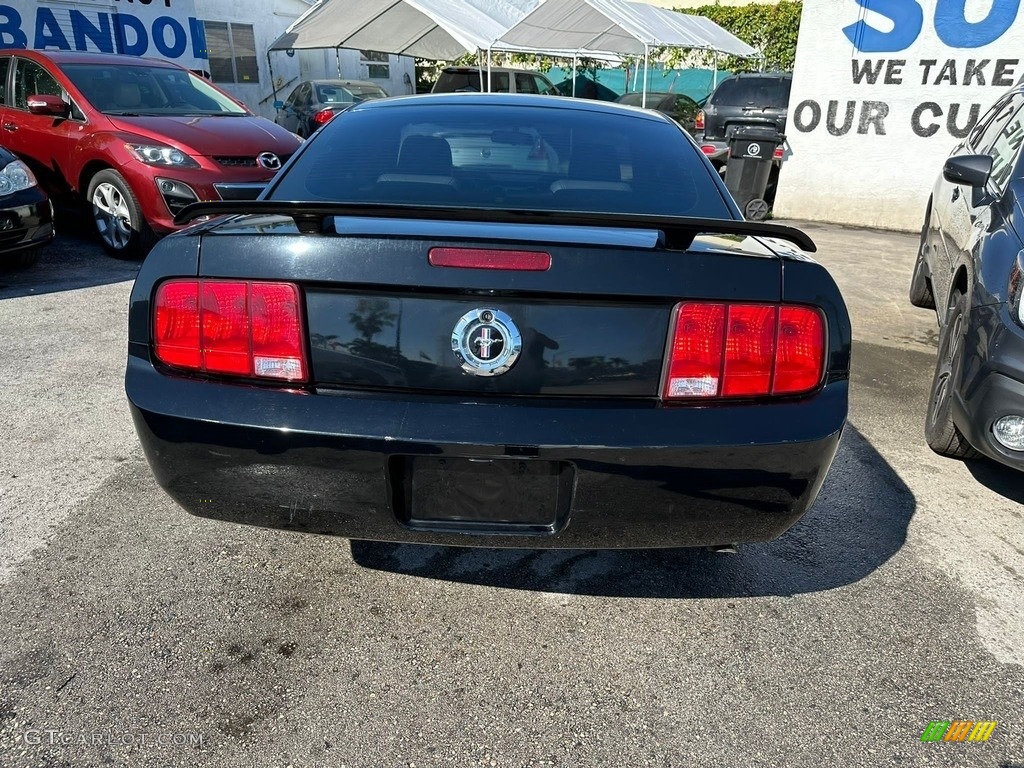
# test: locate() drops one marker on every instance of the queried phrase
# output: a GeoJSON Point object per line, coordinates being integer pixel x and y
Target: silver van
{"type": "Point", "coordinates": [503, 80]}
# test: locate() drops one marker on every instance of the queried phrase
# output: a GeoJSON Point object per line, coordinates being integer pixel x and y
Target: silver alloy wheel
{"type": "Point", "coordinates": [112, 216]}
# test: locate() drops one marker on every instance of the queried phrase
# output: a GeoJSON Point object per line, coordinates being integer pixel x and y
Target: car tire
{"type": "Point", "coordinates": [26, 258]}
{"type": "Point", "coordinates": [941, 433]}
{"type": "Point", "coordinates": [118, 217]}
{"type": "Point", "coordinates": [920, 289]}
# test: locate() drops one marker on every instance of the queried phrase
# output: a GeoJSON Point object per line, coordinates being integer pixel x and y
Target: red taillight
{"type": "Point", "coordinates": [779, 151]}
{"type": "Point", "coordinates": [709, 149]}
{"type": "Point", "coordinates": [176, 324]}
{"type": "Point", "coordinates": [323, 116]}
{"type": "Point", "coordinates": [749, 350]}
{"type": "Point", "coordinates": [698, 122]}
{"type": "Point", "coordinates": [233, 327]}
{"type": "Point", "coordinates": [482, 258]}
{"type": "Point", "coordinates": [799, 360]}
{"type": "Point", "coordinates": [744, 350]}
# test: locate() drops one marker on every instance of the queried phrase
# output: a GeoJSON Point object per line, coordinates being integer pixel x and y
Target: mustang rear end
{"type": "Point", "coordinates": [513, 391]}
{"type": "Point", "coordinates": [491, 320]}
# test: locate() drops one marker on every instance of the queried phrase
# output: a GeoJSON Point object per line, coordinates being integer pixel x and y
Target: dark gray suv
{"type": "Point", "coordinates": [749, 99]}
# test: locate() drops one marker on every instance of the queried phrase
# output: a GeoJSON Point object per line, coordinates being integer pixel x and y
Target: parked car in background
{"type": "Point", "coordinates": [746, 100]}
{"type": "Point", "coordinates": [678, 106]}
{"type": "Point", "coordinates": [26, 215]}
{"type": "Point", "coordinates": [551, 353]}
{"type": "Point", "coordinates": [139, 139]}
{"type": "Point", "coordinates": [502, 80]}
{"type": "Point", "coordinates": [970, 270]}
{"type": "Point", "coordinates": [314, 102]}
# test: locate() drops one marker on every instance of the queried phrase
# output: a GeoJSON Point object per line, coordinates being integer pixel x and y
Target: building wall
{"type": "Point", "coordinates": [270, 18]}
{"type": "Point", "coordinates": [172, 29]}
{"type": "Point", "coordinates": [880, 97]}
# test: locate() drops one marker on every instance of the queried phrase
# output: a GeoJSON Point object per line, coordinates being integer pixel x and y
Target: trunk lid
{"type": "Point", "coordinates": [379, 316]}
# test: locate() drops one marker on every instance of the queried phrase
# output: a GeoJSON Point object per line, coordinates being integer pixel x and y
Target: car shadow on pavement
{"type": "Point", "coordinates": [996, 477]}
{"type": "Point", "coordinates": [859, 521]}
{"type": "Point", "coordinates": [73, 260]}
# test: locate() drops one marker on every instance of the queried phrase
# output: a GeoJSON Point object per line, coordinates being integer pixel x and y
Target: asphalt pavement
{"type": "Point", "coordinates": [134, 634]}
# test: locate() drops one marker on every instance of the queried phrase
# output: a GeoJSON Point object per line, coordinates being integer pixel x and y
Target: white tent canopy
{"type": "Point", "coordinates": [429, 29]}
{"type": "Point", "coordinates": [615, 26]}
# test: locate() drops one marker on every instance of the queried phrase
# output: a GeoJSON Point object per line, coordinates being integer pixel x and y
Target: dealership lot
{"type": "Point", "coordinates": [139, 635]}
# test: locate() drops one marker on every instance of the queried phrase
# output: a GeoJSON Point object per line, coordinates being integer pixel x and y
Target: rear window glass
{"type": "Point", "coordinates": [507, 157]}
{"type": "Point", "coordinates": [753, 91]}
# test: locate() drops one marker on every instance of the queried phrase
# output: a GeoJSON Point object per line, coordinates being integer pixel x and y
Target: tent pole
{"type": "Point", "coordinates": [488, 70]}
{"type": "Point", "coordinates": [270, 66]}
{"type": "Point", "coordinates": [647, 64]}
{"type": "Point", "coordinates": [714, 76]}
{"type": "Point", "coordinates": [337, 55]}
{"type": "Point", "coordinates": [573, 74]}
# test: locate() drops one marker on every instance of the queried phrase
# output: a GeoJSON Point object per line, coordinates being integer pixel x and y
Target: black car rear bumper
{"type": "Point", "coordinates": [26, 221]}
{"type": "Point", "coordinates": [622, 475]}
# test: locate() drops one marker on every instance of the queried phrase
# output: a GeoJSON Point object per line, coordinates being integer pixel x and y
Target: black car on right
{"type": "Point", "coordinates": [970, 270]}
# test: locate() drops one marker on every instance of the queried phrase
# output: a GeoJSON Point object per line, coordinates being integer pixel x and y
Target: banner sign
{"type": "Point", "coordinates": [166, 29]}
{"type": "Point", "coordinates": [882, 91]}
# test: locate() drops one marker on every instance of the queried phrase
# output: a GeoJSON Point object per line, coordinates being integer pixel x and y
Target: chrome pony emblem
{"type": "Point", "coordinates": [268, 160]}
{"type": "Point", "coordinates": [486, 342]}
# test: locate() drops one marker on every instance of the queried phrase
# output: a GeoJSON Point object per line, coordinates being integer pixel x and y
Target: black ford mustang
{"type": "Point", "coordinates": [491, 320]}
{"type": "Point", "coordinates": [970, 269]}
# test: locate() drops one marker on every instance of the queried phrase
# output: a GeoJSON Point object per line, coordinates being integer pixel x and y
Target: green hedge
{"type": "Point", "coordinates": [773, 29]}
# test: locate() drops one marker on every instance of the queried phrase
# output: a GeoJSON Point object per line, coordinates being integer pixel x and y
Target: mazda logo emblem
{"type": "Point", "coordinates": [268, 160]}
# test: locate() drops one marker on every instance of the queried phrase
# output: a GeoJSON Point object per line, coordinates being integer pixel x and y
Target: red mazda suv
{"type": "Point", "coordinates": [138, 139]}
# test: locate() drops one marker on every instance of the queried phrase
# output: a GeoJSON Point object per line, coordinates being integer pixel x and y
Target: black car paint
{"type": "Point", "coordinates": [971, 243]}
{"type": "Point", "coordinates": [333, 457]}
{"type": "Point", "coordinates": [26, 221]}
{"type": "Point", "coordinates": [26, 217]}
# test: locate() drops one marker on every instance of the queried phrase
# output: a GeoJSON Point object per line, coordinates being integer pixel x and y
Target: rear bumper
{"type": "Point", "coordinates": [640, 476]}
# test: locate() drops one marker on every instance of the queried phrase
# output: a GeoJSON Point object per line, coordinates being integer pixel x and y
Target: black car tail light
{"type": "Point", "coordinates": [239, 328]}
{"type": "Point", "coordinates": [722, 350]}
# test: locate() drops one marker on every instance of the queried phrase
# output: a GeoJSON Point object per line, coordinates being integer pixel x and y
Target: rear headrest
{"type": "Point", "coordinates": [594, 162]}
{"type": "Point", "coordinates": [426, 155]}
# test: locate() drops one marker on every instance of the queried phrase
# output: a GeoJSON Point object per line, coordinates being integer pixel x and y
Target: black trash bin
{"type": "Point", "coordinates": [751, 154]}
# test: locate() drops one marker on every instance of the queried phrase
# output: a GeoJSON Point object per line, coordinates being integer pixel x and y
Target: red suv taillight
{"type": "Point", "coordinates": [323, 116]}
{"type": "Point", "coordinates": [744, 350]}
{"type": "Point", "coordinates": [698, 121]}
{"type": "Point", "coordinates": [239, 328]}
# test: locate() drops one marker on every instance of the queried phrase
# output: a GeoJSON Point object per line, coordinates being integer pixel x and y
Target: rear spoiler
{"type": "Point", "coordinates": [318, 218]}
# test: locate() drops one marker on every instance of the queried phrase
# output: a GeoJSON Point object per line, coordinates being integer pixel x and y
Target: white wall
{"type": "Point", "coordinates": [868, 152]}
{"type": "Point", "coordinates": [270, 18]}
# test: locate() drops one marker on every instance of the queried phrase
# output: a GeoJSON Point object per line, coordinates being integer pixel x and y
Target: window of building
{"type": "Point", "coordinates": [378, 65]}
{"type": "Point", "coordinates": [231, 49]}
